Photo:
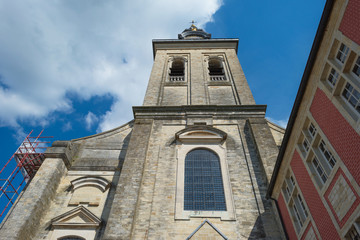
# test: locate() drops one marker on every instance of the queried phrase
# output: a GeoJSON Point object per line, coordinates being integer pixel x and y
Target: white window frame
{"type": "Point", "coordinates": [333, 77]}
{"type": "Point", "coordinates": [331, 156]}
{"type": "Point", "coordinates": [321, 158]}
{"type": "Point", "coordinates": [297, 215]}
{"type": "Point", "coordinates": [288, 187]}
{"type": "Point", "coordinates": [306, 145]}
{"type": "Point", "coordinates": [288, 191]}
{"type": "Point", "coordinates": [292, 182]}
{"type": "Point", "coordinates": [187, 143]}
{"type": "Point", "coordinates": [295, 203]}
{"type": "Point", "coordinates": [342, 53]}
{"type": "Point", "coordinates": [312, 132]}
{"type": "Point", "coordinates": [357, 66]}
{"type": "Point", "coordinates": [302, 204]}
{"type": "Point", "coordinates": [319, 166]}
{"type": "Point", "coordinates": [353, 108]}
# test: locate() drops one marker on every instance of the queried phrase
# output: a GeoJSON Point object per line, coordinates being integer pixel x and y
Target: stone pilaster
{"type": "Point", "coordinates": [125, 201]}
{"type": "Point", "coordinates": [265, 144]}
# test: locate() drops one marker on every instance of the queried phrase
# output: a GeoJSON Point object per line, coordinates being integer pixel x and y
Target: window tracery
{"type": "Point", "coordinates": [197, 148]}
{"type": "Point", "coordinates": [204, 189]}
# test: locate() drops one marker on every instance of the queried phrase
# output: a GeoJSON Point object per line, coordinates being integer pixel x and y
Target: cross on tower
{"type": "Point", "coordinates": [192, 22]}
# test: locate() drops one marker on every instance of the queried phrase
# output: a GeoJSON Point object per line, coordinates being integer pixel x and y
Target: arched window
{"type": "Point", "coordinates": [216, 70]}
{"type": "Point", "coordinates": [203, 190]}
{"type": "Point", "coordinates": [177, 70]}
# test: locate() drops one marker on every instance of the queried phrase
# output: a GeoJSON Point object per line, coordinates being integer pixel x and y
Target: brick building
{"type": "Point", "coordinates": [316, 180]}
{"type": "Point", "coordinates": [193, 164]}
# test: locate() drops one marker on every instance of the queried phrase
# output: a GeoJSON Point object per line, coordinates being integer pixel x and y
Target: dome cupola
{"type": "Point", "coordinates": [194, 33]}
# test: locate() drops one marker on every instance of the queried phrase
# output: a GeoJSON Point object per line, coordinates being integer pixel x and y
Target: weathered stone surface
{"type": "Point", "coordinates": [199, 90]}
{"type": "Point", "coordinates": [277, 133]}
{"type": "Point", "coordinates": [140, 162]}
{"type": "Point", "coordinates": [89, 163]}
{"type": "Point", "coordinates": [23, 219]}
{"type": "Point", "coordinates": [125, 202]}
{"type": "Point", "coordinates": [265, 144]}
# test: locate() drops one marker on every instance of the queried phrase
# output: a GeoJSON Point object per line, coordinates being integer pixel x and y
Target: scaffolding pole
{"type": "Point", "coordinates": [26, 160]}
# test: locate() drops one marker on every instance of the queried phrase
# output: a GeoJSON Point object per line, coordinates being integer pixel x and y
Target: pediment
{"type": "Point", "coordinates": [77, 217]}
{"type": "Point", "coordinates": [206, 229]}
{"type": "Point", "coordinates": [201, 134]}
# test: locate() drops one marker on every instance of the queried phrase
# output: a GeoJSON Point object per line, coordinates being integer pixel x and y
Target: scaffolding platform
{"type": "Point", "coordinates": [26, 160]}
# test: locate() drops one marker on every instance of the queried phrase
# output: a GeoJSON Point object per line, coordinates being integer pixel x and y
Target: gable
{"type": "Point", "coordinates": [76, 217]}
{"type": "Point", "coordinates": [206, 230]}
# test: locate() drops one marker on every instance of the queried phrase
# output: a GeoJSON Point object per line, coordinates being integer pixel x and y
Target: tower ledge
{"type": "Point", "coordinates": [158, 44]}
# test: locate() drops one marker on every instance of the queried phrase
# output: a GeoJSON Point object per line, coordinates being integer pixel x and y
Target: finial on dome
{"type": "Point", "coordinates": [194, 33]}
{"type": "Point", "coordinates": [193, 27]}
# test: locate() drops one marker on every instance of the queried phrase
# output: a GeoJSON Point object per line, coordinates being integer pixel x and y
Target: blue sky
{"type": "Point", "coordinates": [75, 68]}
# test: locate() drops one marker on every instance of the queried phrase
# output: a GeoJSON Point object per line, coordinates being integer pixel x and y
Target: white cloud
{"type": "Point", "coordinates": [19, 135]}
{"type": "Point", "coordinates": [66, 127]}
{"type": "Point", "coordinates": [91, 48]}
{"type": "Point", "coordinates": [282, 123]}
{"type": "Point", "coordinates": [90, 120]}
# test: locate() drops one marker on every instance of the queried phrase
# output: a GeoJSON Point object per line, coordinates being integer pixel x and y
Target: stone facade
{"type": "Point", "coordinates": [124, 183]}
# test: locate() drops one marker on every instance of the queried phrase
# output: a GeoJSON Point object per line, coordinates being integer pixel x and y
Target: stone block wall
{"type": "Point", "coordinates": [98, 156]}
{"type": "Point", "coordinates": [197, 88]}
{"type": "Point", "coordinates": [145, 207]}
{"type": "Point", "coordinates": [140, 161]}
{"type": "Point", "coordinates": [26, 214]}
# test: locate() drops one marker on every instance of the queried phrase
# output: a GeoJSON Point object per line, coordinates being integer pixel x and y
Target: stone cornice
{"type": "Point", "coordinates": [217, 111]}
{"type": "Point", "coordinates": [63, 150]}
{"type": "Point", "coordinates": [226, 43]}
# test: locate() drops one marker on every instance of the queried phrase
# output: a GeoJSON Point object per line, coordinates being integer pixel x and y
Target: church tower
{"type": "Point", "coordinates": [193, 164]}
{"type": "Point", "coordinates": [197, 70]}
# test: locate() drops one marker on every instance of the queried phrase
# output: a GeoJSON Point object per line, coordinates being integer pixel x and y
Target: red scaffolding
{"type": "Point", "coordinates": [26, 160]}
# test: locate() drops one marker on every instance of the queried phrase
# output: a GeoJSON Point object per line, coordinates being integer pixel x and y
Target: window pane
{"type": "Point", "coordinates": [356, 68]}
{"type": "Point", "coordinates": [320, 170]}
{"type": "Point", "coordinates": [327, 154]}
{"type": "Point", "coordinates": [312, 130]}
{"type": "Point", "coordinates": [353, 234]}
{"type": "Point", "coordinates": [352, 96]}
{"type": "Point", "coordinates": [342, 53]}
{"type": "Point", "coordinates": [298, 216]}
{"type": "Point", "coordinates": [302, 205]}
{"type": "Point", "coordinates": [292, 181]}
{"type": "Point", "coordinates": [204, 190]}
{"type": "Point", "coordinates": [333, 77]}
{"type": "Point", "coordinates": [306, 145]}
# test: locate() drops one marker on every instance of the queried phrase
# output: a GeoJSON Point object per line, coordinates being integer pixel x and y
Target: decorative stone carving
{"type": "Point", "coordinates": [88, 190]}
